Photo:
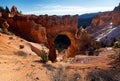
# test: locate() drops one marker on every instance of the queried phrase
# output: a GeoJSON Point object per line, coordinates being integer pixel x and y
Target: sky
{"type": "Point", "coordinates": [60, 7]}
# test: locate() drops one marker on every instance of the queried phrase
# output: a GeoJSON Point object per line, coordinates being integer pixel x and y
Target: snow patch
{"type": "Point", "coordinates": [108, 34]}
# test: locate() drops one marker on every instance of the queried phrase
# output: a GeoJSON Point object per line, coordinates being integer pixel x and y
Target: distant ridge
{"type": "Point", "coordinates": [86, 19]}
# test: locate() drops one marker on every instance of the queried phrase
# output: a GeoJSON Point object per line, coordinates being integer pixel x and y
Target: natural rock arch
{"type": "Point", "coordinates": [62, 42]}
{"type": "Point", "coordinates": [67, 38]}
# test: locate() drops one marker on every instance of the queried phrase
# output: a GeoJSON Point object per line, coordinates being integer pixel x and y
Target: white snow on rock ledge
{"type": "Point", "coordinates": [108, 34]}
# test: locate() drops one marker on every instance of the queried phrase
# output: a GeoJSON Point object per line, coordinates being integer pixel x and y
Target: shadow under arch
{"type": "Point", "coordinates": [65, 42]}
{"type": "Point", "coordinates": [62, 42]}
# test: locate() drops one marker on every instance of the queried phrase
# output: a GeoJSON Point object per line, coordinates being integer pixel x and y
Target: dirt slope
{"type": "Point", "coordinates": [22, 64]}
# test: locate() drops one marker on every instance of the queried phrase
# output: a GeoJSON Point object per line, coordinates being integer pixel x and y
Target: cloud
{"type": "Point", "coordinates": [62, 10]}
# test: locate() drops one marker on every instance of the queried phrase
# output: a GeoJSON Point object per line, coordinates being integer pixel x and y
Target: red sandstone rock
{"type": "Point", "coordinates": [4, 23]}
{"type": "Point", "coordinates": [35, 47]}
{"type": "Point", "coordinates": [106, 18]}
{"type": "Point", "coordinates": [2, 20]}
{"type": "Point", "coordinates": [14, 10]}
{"type": "Point", "coordinates": [0, 14]}
{"type": "Point", "coordinates": [28, 29]}
{"type": "Point", "coordinates": [45, 29]}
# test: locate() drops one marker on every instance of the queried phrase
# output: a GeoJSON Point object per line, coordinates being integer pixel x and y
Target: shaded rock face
{"type": "Point", "coordinates": [2, 20]}
{"type": "Point", "coordinates": [50, 30]}
{"type": "Point", "coordinates": [62, 42]}
{"type": "Point", "coordinates": [4, 23]}
{"type": "Point", "coordinates": [117, 8]}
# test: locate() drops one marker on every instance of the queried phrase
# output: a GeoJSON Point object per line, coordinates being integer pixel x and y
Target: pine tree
{"type": "Point", "coordinates": [1, 9]}
{"type": "Point", "coordinates": [7, 10]}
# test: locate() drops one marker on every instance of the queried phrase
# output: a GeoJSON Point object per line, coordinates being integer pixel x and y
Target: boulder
{"type": "Point", "coordinates": [36, 48]}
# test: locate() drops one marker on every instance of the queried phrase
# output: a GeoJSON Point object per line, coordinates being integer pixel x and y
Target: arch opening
{"type": "Point", "coordinates": [62, 42]}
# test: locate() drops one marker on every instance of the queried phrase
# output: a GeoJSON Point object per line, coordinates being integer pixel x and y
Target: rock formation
{"type": "Point", "coordinates": [104, 24]}
{"type": "Point", "coordinates": [14, 10]}
{"type": "Point", "coordinates": [28, 29]}
{"type": "Point", "coordinates": [117, 8]}
{"type": "Point", "coordinates": [45, 29]}
{"type": "Point", "coordinates": [3, 24]}
{"type": "Point", "coordinates": [106, 18]}
{"type": "Point", "coordinates": [0, 14]}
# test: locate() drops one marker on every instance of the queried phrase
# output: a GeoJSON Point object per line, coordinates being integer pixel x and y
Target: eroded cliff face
{"type": "Point", "coordinates": [44, 28]}
{"type": "Point", "coordinates": [28, 29]}
{"type": "Point", "coordinates": [105, 25]}
{"type": "Point", "coordinates": [106, 18]}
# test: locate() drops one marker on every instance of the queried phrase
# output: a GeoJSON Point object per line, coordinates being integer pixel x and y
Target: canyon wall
{"type": "Point", "coordinates": [105, 18]}
{"type": "Point", "coordinates": [43, 29]}
{"type": "Point", "coordinates": [104, 25]}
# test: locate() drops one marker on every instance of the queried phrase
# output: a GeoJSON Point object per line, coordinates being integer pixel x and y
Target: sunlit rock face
{"type": "Point", "coordinates": [56, 32]}
{"type": "Point", "coordinates": [106, 18]}
{"type": "Point", "coordinates": [43, 29]}
{"type": "Point", "coordinates": [0, 14]}
{"type": "Point", "coordinates": [28, 29]}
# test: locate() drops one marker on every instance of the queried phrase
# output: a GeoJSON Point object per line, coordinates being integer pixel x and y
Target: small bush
{"type": "Point", "coordinates": [115, 56]}
{"type": "Point", "coordinates": [117, 43]}
{"type": "Point", "coordinates": [44, 56]}
{"type": "Point", "coordinates": [100, 75]}
{"type": "Point", "coordinates": [4, 30]}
